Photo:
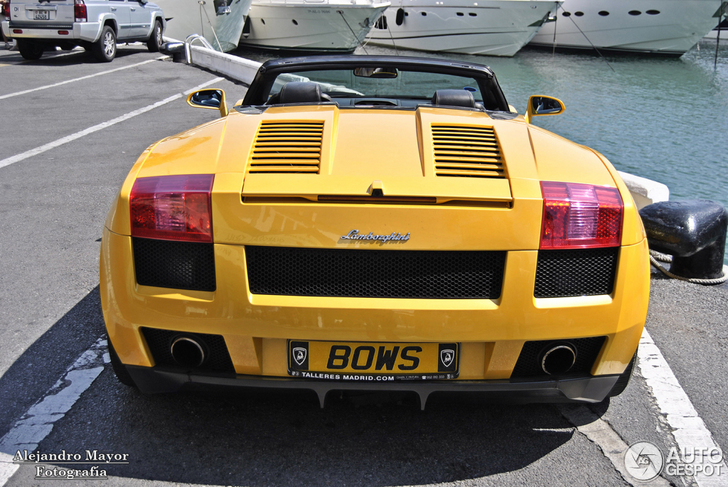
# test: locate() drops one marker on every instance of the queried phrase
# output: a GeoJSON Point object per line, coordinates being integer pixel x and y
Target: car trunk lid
{"type": "Point", "coordinates": [408, 156]}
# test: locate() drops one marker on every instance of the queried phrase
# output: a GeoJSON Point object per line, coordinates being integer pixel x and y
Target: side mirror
{"type": "Point", "coordinates": [210, 98]}
{"type": "Point", "coordinates": [543, 105]}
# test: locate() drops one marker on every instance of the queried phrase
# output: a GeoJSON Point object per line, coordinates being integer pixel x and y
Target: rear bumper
{"type": "Point", "coordinates": [585, 390]}
{"type": "Point", "coordinates": [77, 32]}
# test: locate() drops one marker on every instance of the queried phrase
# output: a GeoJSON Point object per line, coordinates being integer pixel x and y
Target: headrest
{"type": "Point", "coordinates": [300, 92]}
{"type": "Point", "coordinates": [454, 98]}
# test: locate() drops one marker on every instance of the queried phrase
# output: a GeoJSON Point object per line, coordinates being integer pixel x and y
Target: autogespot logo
{"type": "Point", "coordinates": [644, 461]}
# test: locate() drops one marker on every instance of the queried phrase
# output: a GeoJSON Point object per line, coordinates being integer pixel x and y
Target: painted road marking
{"type": "Point", "coordinates": [101, 126]}
{"type": "Point", "coordinates": [61, 83]}
{"type": "Point", "coordinates": [37, 422]}
{"type": "Point", "coordinates": [603, 435]}
{"type": "Point", "coordinates": [688, 428]}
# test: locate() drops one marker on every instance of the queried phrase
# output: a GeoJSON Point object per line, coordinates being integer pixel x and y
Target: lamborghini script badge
{"type": "Point", "coordinates": [370, 237]}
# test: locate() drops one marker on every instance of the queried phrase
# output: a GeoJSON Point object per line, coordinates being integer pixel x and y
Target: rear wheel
{"type": "Point", "coordinates": [155, 40]}
{"type": "Point", "coordinates": [30, 50]}
{"type": "Point", "coordinates": [104, 49]}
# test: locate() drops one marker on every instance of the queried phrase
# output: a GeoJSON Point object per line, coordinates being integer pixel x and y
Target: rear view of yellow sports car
{"type": "Point", "coordinates": [375, 223]}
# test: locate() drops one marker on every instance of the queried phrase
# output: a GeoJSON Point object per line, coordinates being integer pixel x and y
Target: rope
{"type": "Point", "coordinates": [585, 37]}
{"type": "Point", "coordinates": [341, 12]}
{"type": "Point", "coordinates": [219, 46]}
{"type": "Point", "coordinates": [657, 256]}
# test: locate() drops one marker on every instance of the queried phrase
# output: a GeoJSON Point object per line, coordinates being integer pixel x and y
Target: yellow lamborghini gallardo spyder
{"type": "Point", "coordinates": [375, 223]}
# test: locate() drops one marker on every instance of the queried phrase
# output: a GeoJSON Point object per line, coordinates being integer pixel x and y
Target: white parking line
{"type": "Point", "coordinates": [688, 428]}
{"type": "Point", "coordinates": [70, 138]}
{"type": "Point", "coordinates": [61, 83]}
{"type": "Point", "coordinates": [37, 422]}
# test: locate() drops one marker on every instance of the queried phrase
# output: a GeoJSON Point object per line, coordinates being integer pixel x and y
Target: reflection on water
{"type": "Point", "coordinates": [664, 119]}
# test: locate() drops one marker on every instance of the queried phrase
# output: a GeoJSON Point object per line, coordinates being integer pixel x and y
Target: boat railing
{"type": "Point", "coordinates": [192, 38]}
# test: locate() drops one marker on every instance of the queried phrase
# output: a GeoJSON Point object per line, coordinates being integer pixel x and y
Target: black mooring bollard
{"type": "Point", "coordinates": [174, 49]}
{"type": "Point", "coordinates": [693, 232]}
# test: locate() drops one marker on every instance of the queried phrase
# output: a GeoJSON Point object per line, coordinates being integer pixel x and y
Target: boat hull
{"type": "Point", "coordinates": [310, 27]}
{"type": "Point", "coordinates": [496, 28]}
{"type": "Point", "coordinates": [219, 21]}
{"type": "Point", "coordinates": [668, 27]}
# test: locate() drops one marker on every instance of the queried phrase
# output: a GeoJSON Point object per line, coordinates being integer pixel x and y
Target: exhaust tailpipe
{"type": "Point", "coordinates": [558, 359]}
{"type": "Point", "coordinates": [187, 352]}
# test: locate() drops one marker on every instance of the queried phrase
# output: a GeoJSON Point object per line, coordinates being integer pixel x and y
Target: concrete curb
{"type": "Point", "coordinates": [645, 191]}
{"type": "Point", "coordinates": [234, 67]}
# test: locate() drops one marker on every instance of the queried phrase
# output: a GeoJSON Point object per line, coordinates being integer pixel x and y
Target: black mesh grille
{"type": "Point", "coordinates": [529, 361]}
{"type": "Point", "coordinates": [178, 265]}
{"type": "Point", "coordinates": [216, 353]}
{"type": "Point", "coordinates": [375, 273]}
{"type": "Point", "coordinates": [581, 272]}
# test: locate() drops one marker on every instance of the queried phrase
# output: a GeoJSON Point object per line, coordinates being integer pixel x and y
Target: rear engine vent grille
{"type": "Point", "coordinates": [529, 361]}
{"type": "Point", "coordinates": [580, 272]}
{"type": "Point", "coordinates": [177, 265]}
{"type": "Point", "coordinates": [467, 151]}
{"type": "Point", "coordinates": [287, 147]}
{"type": "Point", "coordinates": [217, 358]}
{"type": "Point", "coordinates": [375, 273]}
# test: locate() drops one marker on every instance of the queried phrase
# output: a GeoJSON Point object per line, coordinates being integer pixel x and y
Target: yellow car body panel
{"type": "Point", "coordinates": [315, 210]}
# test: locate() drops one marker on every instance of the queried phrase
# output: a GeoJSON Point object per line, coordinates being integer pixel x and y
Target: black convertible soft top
{"type": "Point", "coordinates": [493, 97]}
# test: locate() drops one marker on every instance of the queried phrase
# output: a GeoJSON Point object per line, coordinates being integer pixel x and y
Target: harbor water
{"type": "Point", "coordinates": [664, 119]}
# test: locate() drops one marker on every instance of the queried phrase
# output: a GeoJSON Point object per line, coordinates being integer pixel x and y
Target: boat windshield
{"type": "Point", "coordinates": [380, 83]}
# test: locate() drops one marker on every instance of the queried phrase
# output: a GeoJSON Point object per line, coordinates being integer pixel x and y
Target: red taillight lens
{"type": "Point", "coordinates": [6, 9]}
{"type": "Point", "coordinates": [172, 207]}
{"type": "Point", "coordinates": [580, 216]}
{"type": "Point", "coordinates": [79, 11]}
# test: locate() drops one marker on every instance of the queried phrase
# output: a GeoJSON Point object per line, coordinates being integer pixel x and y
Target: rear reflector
{"type": "Point", "coordinates": [580, 216]}
{"type": "Point", "coordinates": [63, 32]}
{"type": "Point", "coordinates": [172, 208]}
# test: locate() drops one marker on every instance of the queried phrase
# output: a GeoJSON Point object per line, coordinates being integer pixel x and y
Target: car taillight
{"type": "Point", "coordinates": [172, 207]}
{"type": "Point", "coordinates": [6, 9]}
{"type": "Point", "coordinates": [580, 216]}
{"type": "Point", "coordinates": [79, 11]}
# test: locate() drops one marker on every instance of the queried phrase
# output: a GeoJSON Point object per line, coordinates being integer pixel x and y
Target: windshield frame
{"type": "Point", "coordinates": [262, 84]}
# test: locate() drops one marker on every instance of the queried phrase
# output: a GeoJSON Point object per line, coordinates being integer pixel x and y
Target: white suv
{"type": "Point", "coordinates": [96, 25]}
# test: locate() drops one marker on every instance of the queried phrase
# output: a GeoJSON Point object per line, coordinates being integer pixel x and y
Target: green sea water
{"type": "Point", "coordinates": [664, 119]}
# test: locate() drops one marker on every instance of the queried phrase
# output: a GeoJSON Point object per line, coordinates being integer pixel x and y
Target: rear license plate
{"type": "Point", "coordinates": [42, 15]}
{"type": "Point", "coordinates": [372, 362]}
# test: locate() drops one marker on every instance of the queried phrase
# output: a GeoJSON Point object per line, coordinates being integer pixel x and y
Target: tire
{"type": "Point", "coordinates": [623, 380]}
{"type": "Point", "coordinates": [119, 370]}
{"type": "Point", "coordinates": [104, 49]}
{"type": "Point", "coordinates": [32, 51]}
{"type": "Point", "coordinates": [154, 43]}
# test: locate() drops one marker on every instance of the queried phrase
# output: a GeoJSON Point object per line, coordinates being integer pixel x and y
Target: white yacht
{"type": "Point", "coordinates": [310, 25]}
{"type": "Point", "coordinates": [495, 27]}
{"type": "Point", "coordinates": [643, 26]}
{"type": "Point", "coordinates": [219, 21]}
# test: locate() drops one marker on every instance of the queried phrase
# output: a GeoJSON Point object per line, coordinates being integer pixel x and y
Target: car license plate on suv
{"type": "Point", "coordinates": [42, 15]}
{"type": "Point", "coordinates": [365, 361]}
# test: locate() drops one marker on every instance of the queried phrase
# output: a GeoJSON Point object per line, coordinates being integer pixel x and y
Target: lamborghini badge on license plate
{"type": "Point", "coordinates": [372, 361]}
